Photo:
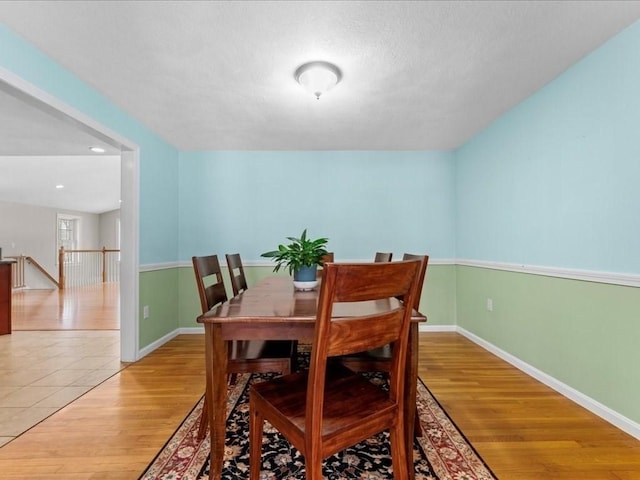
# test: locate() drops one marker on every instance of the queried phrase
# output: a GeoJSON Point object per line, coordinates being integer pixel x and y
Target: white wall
{"type": "Point", "coordinates": [30, 230]}
{"type": "Point", "coordinates": [108, 229]}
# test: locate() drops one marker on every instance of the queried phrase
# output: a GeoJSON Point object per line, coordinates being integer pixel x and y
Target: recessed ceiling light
{"type": "Point", "coordinates": [59, 186]}
{"type": "Point", "coordinates": [97, 149]}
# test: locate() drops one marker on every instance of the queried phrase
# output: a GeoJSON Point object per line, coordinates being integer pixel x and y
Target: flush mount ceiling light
{"type": "Point", "coordinates": [97, 149]}
{"type": "Point", "coordinates": [318, 77]}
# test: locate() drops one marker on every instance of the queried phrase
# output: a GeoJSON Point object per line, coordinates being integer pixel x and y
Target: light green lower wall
{"type": "Point", "coordinates": [584, 334]}
{"type": "Point", "coordinates": [158, 291]}
{"type": "Point", "coordinates": [438, 293]}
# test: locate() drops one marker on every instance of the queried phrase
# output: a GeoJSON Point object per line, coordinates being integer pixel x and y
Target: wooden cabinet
{"type": "Point", "coordinates": [5, 296]}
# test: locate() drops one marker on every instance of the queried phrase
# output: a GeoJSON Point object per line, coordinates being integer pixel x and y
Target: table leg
{"type": "Point", "coordinates": [411, 377]}
{"type": "Point", "coordinates": [216, 371]}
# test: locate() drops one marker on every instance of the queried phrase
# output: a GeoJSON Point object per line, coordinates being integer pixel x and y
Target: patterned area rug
{"type": "Point", "coordinates": [441, 453]}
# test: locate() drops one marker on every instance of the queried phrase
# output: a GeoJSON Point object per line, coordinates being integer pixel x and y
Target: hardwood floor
{"type": "Point", "coordinates": [94, 307]}
{"type": "Point", "coordinates": [522, 429]}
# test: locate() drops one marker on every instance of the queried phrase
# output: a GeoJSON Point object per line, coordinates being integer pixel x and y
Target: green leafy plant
{"type": "Point", "coordinates": [301, 252]}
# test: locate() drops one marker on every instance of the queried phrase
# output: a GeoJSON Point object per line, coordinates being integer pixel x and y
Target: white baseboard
{"type": "Point", "coordinates": [191, 330]}
{"type": "Point", "coordinates": [616, 419]}
{"type": "Point", "coordinates": [169, 336]}
{"type": "Point", "coordinates": [158, 343]}
{"type": "Point", "coordinates": [437, 328]}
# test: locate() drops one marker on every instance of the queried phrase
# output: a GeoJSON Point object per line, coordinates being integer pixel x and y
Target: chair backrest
{"type": "Point", "coordinates": [423, 270]}
{"type": "Point", "coordinates": [238, 280]}
{"type": "Point", "coordinates": [383, 257]}
{"type": "Point", "coordinates": [328, 257]}
{"type": "Point", "coordinates": [209, 281]}
{"type": "Point", "coordinates": [378, 285]}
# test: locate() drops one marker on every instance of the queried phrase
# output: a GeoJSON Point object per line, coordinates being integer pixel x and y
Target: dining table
{"type": "Point", "coordinates": [274, 310]}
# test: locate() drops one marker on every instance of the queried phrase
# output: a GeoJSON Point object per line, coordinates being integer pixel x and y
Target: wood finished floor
{"type": "Point", "coordinates": [94, 307]}
{"type": "Point", "coordinates": [521, 428]}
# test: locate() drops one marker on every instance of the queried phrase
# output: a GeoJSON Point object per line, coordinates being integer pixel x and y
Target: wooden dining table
{"type": "Point", "coordinates": [274, 310]}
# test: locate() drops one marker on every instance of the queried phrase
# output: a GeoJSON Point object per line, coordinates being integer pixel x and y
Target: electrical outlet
{"type": "Point", "coordinates": [145, 311]}
{"type": "Point", "coordinates": [490, 304]}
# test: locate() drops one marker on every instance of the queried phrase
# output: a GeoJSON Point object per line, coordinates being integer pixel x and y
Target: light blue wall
{"type": "Point", "coordinates": [555, 181]}
{"type": "Point", "coordinates": [158, 160]}
{"type": "Point", "coordinates": [363, 201]}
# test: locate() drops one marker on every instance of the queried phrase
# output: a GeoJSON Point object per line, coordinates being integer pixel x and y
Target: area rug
{"type": "Point", "coordinates": [441, 453]}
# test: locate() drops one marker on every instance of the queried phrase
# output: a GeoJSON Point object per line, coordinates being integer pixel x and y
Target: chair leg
{"type": "Point", "coordinates": [204, 420]}
{"type": "Point", "coordinates": [256, 425]}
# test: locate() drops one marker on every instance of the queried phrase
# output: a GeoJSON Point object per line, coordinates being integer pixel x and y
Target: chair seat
{"type": "Point", "coordinates": [349, 399]}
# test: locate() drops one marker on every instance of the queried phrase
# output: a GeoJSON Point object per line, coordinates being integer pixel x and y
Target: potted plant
{"type": "Point", "coordinates": [301, 257]}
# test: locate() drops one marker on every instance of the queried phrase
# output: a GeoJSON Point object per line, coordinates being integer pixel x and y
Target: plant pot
{"type": "Point", "coordinates": [304, 278]}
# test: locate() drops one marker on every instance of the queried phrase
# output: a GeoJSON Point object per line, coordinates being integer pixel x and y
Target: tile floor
{"type": "Point", "coordinates": [42, 371]}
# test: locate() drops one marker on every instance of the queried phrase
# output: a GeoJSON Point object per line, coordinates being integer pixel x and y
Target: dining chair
{"type": "Point", "coordinates": [244, 356]}
{"type": "Point", "coordinates": [238, 280]}
{"type": "Point", "coordinates": [379, 359]}
{"type": "Point", "coordinates": [329, 407]}
{"type": "Point", "coordinates": [383, 257]}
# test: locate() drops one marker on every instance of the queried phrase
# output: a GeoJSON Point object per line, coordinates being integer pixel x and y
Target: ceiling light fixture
{"type": "Point", "coordinates": [97, 149]}
{"type": "Point", "coordinates": [59, 186]}
{"type": "Point", "coordinates": [318, 77]}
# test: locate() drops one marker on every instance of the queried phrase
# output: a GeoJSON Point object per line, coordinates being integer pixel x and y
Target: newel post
{"type": "Point", "coordinates": [104, 264]}
{"type": "Point", "coordinates": [61, 268]}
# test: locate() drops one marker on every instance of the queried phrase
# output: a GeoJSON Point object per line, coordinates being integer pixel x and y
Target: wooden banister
{"type": "Point", "coordinates": [32, 261]}
{"type": "Point", "coordinates": [67, 257]}
{"type": "Point", "coordinates": [109, 269]}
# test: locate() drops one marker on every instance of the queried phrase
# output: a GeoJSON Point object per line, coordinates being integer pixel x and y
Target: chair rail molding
{"type": "Point", "coordinates": [625, 279]}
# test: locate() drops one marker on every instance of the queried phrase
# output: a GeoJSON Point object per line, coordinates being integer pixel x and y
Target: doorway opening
{"type": "Point", "coordinates": [37, 100]}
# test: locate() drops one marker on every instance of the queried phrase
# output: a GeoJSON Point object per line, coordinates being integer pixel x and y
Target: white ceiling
{"type": "Point", "coordinates": [39, 151]}
{"type": "Point", "coordinates": [219, 75]}
{"type": "Point", "coordinates": [91, 183]}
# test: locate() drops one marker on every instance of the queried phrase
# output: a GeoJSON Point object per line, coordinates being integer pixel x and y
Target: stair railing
{"type": "Point", "coordinates": [88, 267]}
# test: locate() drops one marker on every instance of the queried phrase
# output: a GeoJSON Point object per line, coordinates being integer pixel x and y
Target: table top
{"type": "Point", "coordinates": [274, 298]}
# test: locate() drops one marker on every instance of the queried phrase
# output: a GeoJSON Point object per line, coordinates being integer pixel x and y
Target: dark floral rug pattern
{"type": "Point", "coordinates": [441, 453]}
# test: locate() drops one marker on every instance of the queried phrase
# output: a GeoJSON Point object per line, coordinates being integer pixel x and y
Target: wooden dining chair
{"type": "Point", "coordinates": [383, 257]}
{"type": "Point", "coordinates": [236, 273]}
{"type": "Point", "coordinates": [379, 359]}
{"type": "Point", "coordinates": [328, 408]}
{"type": "Point", "coordinates": [244, 356]}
